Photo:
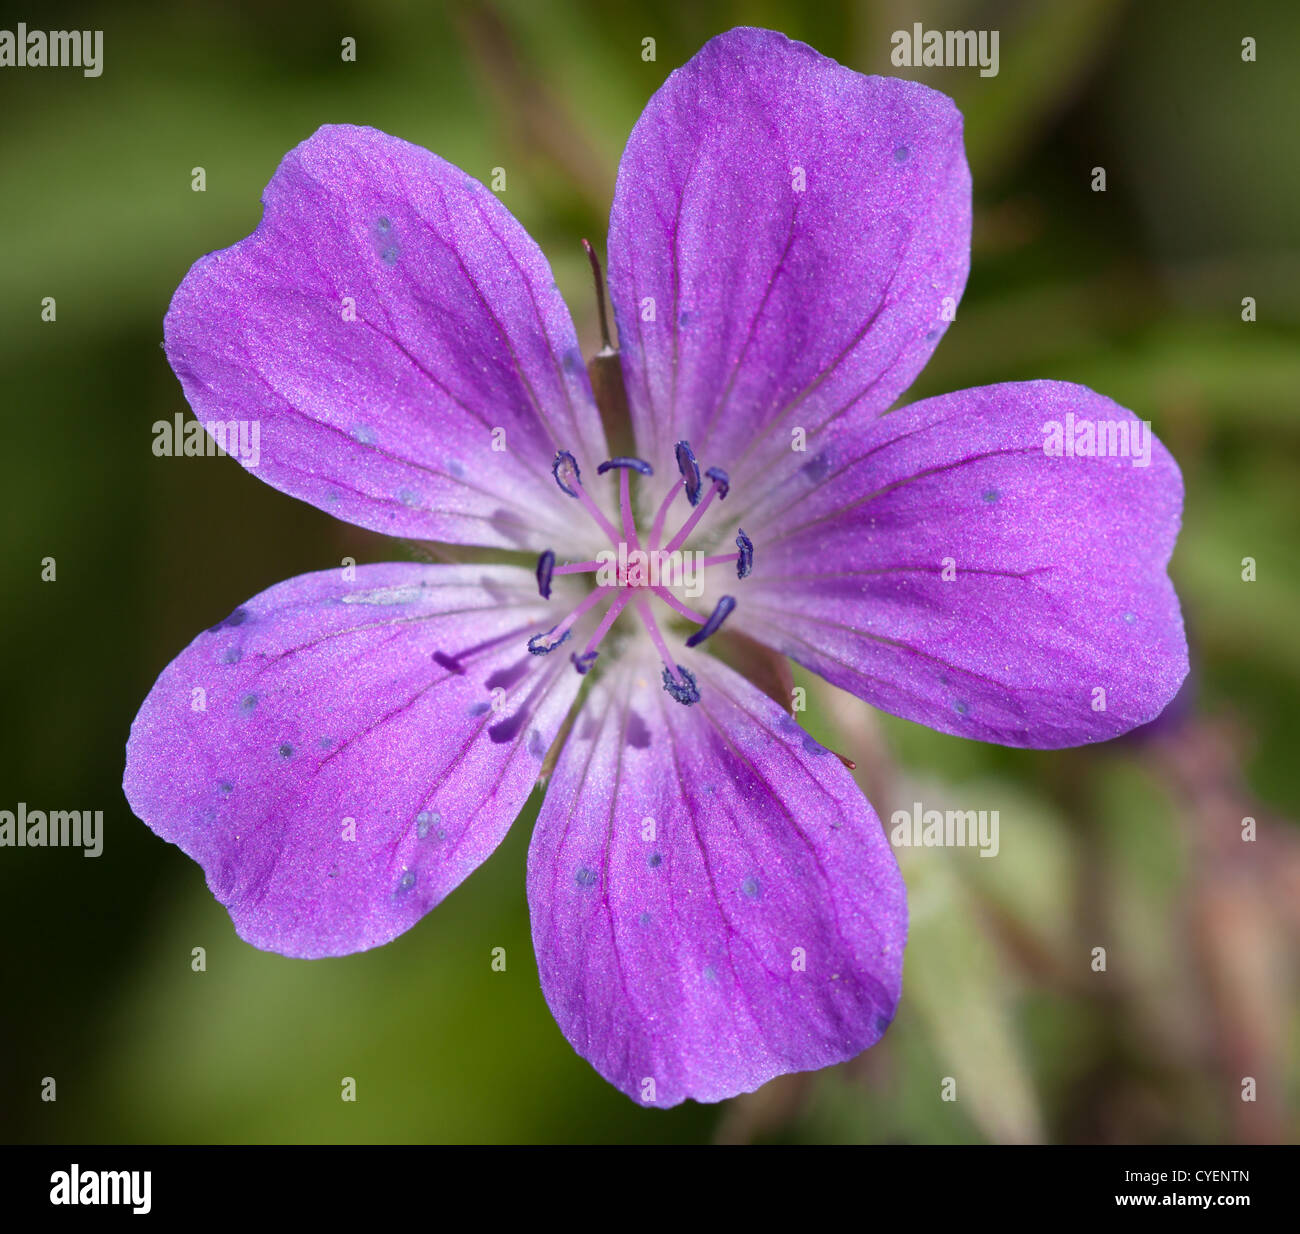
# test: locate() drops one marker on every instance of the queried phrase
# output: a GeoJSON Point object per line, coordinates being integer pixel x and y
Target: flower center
{"type": "Point", "coordinates": [631, 573]}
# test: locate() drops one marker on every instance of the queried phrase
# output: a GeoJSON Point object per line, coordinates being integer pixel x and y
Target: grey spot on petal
{"type": "Point", "coordinates": [990, 495]}
{"type": "Point", "coordinates": [225, 788]}
{"type": "Point", "coordinates": [654, 860]}
{"type": "Point", "coordinates": [407, 881]}
{"type": "Point", "coordinates": [478, 709]}
{"type": "Point", "coordinates": [961, 707]}
{"type": "Point", "coordinates": [364, 434]}
{"type": "Point", "coordinates": [455, 469]}
{"type": "Point", "coordinates": [816, 468]}
{"type": "Point", "coordinates": [325, 742]}
{"type": "Point", "coordinates": [232, 655]}
{"type": "Point", "coordinates": [900, 154]}
{"type": "Point", "coordinates": [585, 877]}
{"type": "Point", "coordinates": [285, 750]}
{"type": "Point", "coordinates": [710, 973]}
{"type": "Point", "coordinates": [536, 746]}
{"type": "Point", "coordinates": [751, 888]}
{"type": "Point", "coordinates": [644, 919]}
{"type": "Point", "coordinates": [247, 703]}
{"type": "Point", "coordinates": [389, 255]}
{"type": "Point", "coordinates": [1130, 618]}
{"type": "Point", "coordinates": [409, 499]}
{"type": "Point", "coordinates": [237, 618]}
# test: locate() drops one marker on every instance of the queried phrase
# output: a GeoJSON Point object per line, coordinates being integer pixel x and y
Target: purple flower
{"type": "Point", "coordinates": [713, 900]}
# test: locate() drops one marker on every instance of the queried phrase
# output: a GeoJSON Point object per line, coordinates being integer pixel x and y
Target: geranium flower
{"type": "Point", "coordinates": [713, 900]}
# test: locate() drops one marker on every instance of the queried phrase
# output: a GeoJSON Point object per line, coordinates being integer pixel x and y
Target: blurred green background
{"type": "Point", "coordinates": [1133, 846]}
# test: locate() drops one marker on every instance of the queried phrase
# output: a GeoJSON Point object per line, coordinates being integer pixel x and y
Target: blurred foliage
{"type": "Point", "coordinates": [1134, 846]}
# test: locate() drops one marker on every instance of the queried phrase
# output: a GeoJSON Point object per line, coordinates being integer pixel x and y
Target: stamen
{"type": "Point", "coordinates": [745, 559]}
{"type": "Point", "coordinates": [685, 692]}
{"type": "Point", "coordinates": [566, 473]}
{"type": "Point", "coordinates": [540, 647]}
{"type": "Point", "coordinates": [674, 603]}
{"type": "Point", "coordinates": [627, 462]}
{"type": "Point", "coordinates": [583, 660]}
{"type": "Point", "coordinates": [657, 531]}
{"type": "Point", "coordinates": [586, 567]}
{"type": "Point", "coordinates": [652, 628]}
{"type": "Point", "coordinates": [690, 470]}
{"type": "Point", "coordinates": [721, 559]}
{"type": "Point", "coordinates": [544, 644]}
{"type": "Point", "coordinates": [625, 509]}
{"type": "Point", "coordinates": [569, 479]}
{"type": "Point", "coordinates": [718, 490]}
{"type": "Point", "coordinates": [545, 568]}
{"type": "Point", "coordinates": [721, 479]}
{"type": "Point", "coordinates": [714, 623]}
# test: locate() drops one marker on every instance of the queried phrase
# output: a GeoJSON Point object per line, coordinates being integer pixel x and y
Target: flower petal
{"type": "Point", "coordinates": [713, 900]}
{"type": "Point", "coordinates": [335, 754]}
{"type": "Point", "coordinates": [784, 235]}
{"type": "Point", "coordinates": [400, 341]}
{"type": "Point", "coordinates": [947, 569]}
